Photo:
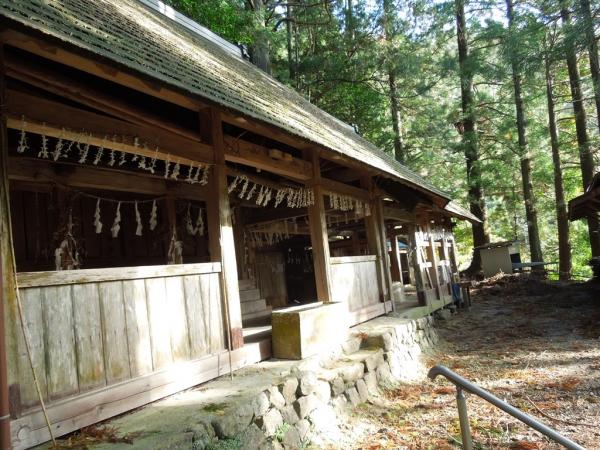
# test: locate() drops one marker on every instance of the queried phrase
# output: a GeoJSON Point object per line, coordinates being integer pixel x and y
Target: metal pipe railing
{"type": "Point", "coordinates": [465, 385]}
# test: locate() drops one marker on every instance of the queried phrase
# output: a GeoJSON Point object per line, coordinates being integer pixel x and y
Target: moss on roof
{"type": "Point", "coordinates": [139, 38]}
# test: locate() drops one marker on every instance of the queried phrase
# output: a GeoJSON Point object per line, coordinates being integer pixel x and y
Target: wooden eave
{"type": "Point", "coordinates": [33, 41]}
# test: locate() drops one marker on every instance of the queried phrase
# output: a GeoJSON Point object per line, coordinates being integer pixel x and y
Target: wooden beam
{"type": "Point", "coordinates": [39, 171]}
{"type": "Point", "coordinates": [260, 180]}
{"type": "Point", "coordinates": [71, 88]}
{"type": "Point", "coordinates": [81, 60]}
{"type": "Point", "coordinates": [401, 215]}
{"type": "Point", "coordinates": [318, 233]}
{"type": "Point", "coordinates": [332, 186]}
{"type": "Point", "coordinates": [220, 232]}
{"type": "Point", "coordinates": [266, 130]}
{"type": "Point", "coordinates": [244, 152]}
{"type": "Point", "coordinates": [55, 119]}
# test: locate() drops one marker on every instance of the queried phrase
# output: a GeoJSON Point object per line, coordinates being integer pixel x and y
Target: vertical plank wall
{"type": "Point", "coordinates": [355, 281]}
{"type": "Point", "coordinates": [86, 335]}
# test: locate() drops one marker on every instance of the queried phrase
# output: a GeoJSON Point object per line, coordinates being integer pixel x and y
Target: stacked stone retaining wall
{"type": "Point", "coordinates": [303, 408]}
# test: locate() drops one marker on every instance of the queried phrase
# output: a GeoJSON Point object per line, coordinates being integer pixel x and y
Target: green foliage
{"type": "Point", "coordinates": [341, 58]}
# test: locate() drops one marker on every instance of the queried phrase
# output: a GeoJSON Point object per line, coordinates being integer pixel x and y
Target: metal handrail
{"type": "Point", "coordinates": [465, 430]}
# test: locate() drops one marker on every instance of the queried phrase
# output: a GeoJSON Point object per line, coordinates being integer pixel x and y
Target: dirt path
{"type": "Point", "coordinates": [534, 344]}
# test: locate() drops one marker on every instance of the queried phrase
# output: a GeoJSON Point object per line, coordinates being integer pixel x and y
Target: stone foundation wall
{"type": "Point", "coordinates": [304, 407]}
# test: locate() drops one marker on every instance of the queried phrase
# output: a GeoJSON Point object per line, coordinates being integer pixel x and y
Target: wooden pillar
{"type": "Point", "coordinates": [417, 262]}
{"type": "Point", "coordinates": [394, 258]}
{"type": "Point", "coordinates": [385, 256]}
{"type": "Point", "coordinates": [432, 256]}
{"type": "Point", "coordinates": [8, 308]}
{"type": "Point", "coordinates": [318, 233]}
{"type": "Point", "coordinates": [373, 227]}
{"type": "Point", "coordinates": [220, 231]}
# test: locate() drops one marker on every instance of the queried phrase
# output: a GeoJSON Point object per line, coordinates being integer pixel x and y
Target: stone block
{"type": "Point", "coordinates": [371, 382]}
{"type": "Point", "coordinates": [303, 428]}
{"type": "Point", "coordinates": [260, 404]}
{"type": "Point", "coordinates": [304, 405]}
{"type": "Point", "coordinates": [289, 414]}
{"type": "Point", "coordinates": [339, 403]}
{"type": "Point", "coordinates": [352, 345]}
{"type": "Point", "coordinates": [322, 391]}
{"type": "Point", "coordinates": [306, 383]}
{"type": "Point", "coordinates": [352, 372]}
{"type": "Point", "coordinates": [384, 374]}
{"type": "Point", "coordinates": [288, 390]}
{"type": "Point", "coordinates": [363, 392]}
{"type": "Point", "coordinates": [324, 421]}
{"type": "Point", "coordinates": [352, 396]}
{"type": "Point", "coordinates": [270, 422]}
{"type": "Point", "coordinates": [291, 439]}
{"type": "Point", "coordinates": [307, 330]}
{"type": "Point", "coordinates": [337, 386]}
{"type": "Point", "coordinates": [252, 438]}
{"type": "Point", "coordinates": [275, 398]}
{"type": "Point", "coordinates": [373, 361]}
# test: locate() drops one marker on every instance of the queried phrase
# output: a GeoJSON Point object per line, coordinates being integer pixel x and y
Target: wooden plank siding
{"type": "Point", "coordinates": [355, 281]}
{"type": "Point", "coordinates": [96, 334]}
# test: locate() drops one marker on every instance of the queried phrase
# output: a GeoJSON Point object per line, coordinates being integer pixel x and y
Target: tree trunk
{"type": "Point", "coordinates": [259, 50]}
{"type": "Point", "coordinates": [562, 218]}
{"type": "Point", "coordinates": [585, 154]}
{"type": "Point", "coordinates": [394, 107]}
{"type": "Point", "coordinates": [470, 139]}
{"type": "Point", "coordinates": [586, 14]}
{"type": "Point", "coordinates": [396, 124]}
{"type": "Point", "coordinates": [290, 52]}
{"type": "Point", "coordinates": [535, 247]}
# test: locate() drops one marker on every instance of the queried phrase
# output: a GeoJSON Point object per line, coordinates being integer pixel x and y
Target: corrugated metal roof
{"type": "Point", "coordinates": [139, 38]}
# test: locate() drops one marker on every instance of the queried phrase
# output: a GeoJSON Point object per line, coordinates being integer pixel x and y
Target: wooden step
{"type": "Point", "coordinates": [263, 314]}
{"type": "Point", "coordinates": [246, 285]}
{"type": "Point", "coordinates": [249, 295]}
{"type": "Point", "coordinates": [253, 306]}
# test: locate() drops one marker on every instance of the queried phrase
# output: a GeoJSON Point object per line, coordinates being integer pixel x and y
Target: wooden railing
{"type": "Point", "coordinates": [354, 282]}
{"type": "Point", "coordinates": [97, 327]}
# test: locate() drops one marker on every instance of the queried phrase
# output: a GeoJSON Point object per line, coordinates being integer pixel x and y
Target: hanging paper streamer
{"type": "Point", "coordinates": [116, 224]}
{"type": "Point", "coordinates": [204, 180]}
{"type": "Point", "coordinates": [346, 203]}
{"type": "Point", "coordinates": [296, 197]}
{"type": "Point", "coordinates": [66, 256]}
{"type": "Point", "coordinates": [175, 173]}
{"type": "Point", "coordinates": [83, 153]}
{"type": "Point", "coordinates": [138, 220]}
{"type": "Point", "coordinates": [97, 222]}
{"type": "Point", "coordinates": [44, 151]}
{"type": "Point", "coordinates": [173, 169]}
{"type": "Point", "coordinates": [23, 145]}
{"type": "Point", "coordinates": [112, 160]}
{"type": "Point", "coordinates": [153, 221]}
{"type": "Point", "coordinates": [175, 254]}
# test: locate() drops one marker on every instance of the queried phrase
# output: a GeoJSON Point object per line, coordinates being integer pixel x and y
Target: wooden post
{"type": "Point", "coordinates": [8, 310]}
{"type": "Point", "coordinates": [374, 238]}
{"type": "Point", "coordinates": [417, 262]}
{"type": "Point", "coordinates": [386, 273]}
{"type": "Point", "coordinates": [394, 260]}
{"type": "Point", "coordinates": [220, 230]}
{"type": "Point", "coordinates": [318, 234]}
{"type": "Point", "coordinates": [432, 256]}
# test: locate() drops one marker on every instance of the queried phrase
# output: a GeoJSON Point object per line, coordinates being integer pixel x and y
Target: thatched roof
{"type": "Point", "coordinates": [132, 35]}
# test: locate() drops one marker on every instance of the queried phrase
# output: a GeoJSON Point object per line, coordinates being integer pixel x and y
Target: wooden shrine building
{"type": "Point", "coordinates": [160, 195]}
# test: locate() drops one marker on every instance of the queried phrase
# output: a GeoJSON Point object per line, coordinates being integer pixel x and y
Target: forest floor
{"type": "Point", "coordinates": [534, 344]}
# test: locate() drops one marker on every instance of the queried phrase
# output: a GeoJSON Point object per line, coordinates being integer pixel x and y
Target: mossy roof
{"type": "Point", "coordinates": [139, 38]}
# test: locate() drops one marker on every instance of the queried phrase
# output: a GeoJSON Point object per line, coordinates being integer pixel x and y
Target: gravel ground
{"type": "Point", "coordinates": [534, 344]}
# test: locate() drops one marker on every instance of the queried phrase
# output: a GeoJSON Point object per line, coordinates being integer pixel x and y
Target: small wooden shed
{"type": "Point", "coordinates": [159, 195]}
